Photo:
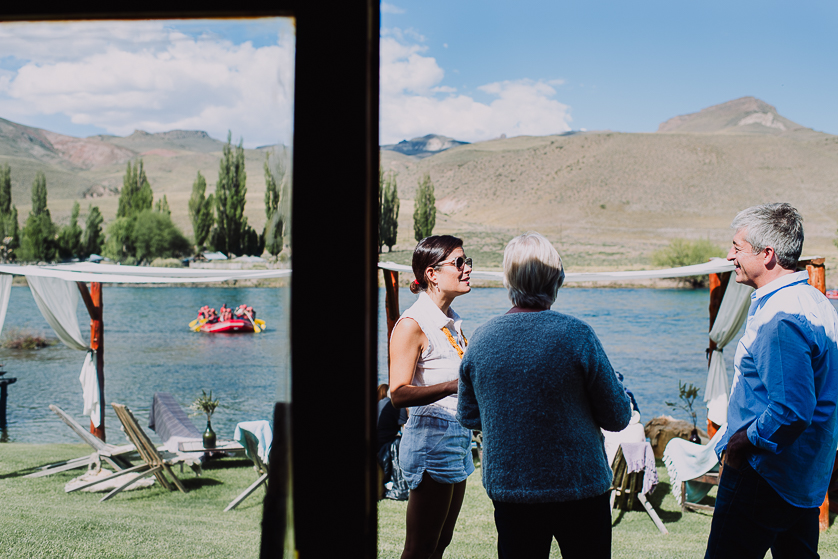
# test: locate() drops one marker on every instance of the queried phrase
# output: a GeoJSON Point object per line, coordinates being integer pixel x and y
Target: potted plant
{"type": "Point", "coordinates": [205, 404]}
{"type": "Point", "coordinates": [687, 393]}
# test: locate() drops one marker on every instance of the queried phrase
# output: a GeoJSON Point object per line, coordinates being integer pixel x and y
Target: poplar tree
{"type": "Point", "coordinates": [93, 240]}
{"type": "Point", "coordinates": [38, 239]}
{"type": "Point", "coordinates": [69, 239]}
{"type": "Point", "coordinates": [162, 206]}
{"type": "Point", "coordinates": [231, 225]}
{"type": "Point", "coordinates": [9, 228]}
{"type": "Point", "coordinates": [275, 187]}
{"type": "Point", "coordinates": [136, 194]}
{"type": "Point", "coordinates": [388, 205]}
{"type": "Point", "coordinates": [424, 212]}
{"type": "Point", "coordinates": [201, 211]}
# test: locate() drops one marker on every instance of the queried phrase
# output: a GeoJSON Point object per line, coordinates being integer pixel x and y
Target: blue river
{"type": "Point", "coordinates": [655, 337]}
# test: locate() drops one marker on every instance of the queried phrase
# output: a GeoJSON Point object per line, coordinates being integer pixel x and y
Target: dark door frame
{"type": "Point", "coordinates": [334, 284]}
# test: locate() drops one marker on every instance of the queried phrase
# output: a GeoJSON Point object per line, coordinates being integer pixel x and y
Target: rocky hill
{"type": "Point", "coordinates": [740, 116]}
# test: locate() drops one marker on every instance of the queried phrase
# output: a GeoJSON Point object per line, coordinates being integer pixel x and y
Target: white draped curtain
{"type": "Point", "coordinates": [58, 301]}
{"type": "Point", "coordinates": [5, 293]}
{"type": "Point", "coordinates": [732, 313]}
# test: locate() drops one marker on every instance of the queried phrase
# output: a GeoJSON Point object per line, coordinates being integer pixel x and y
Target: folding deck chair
{"type": "Point", "coordinates": [251, 448]}
{"type": "Point", "coordinates": [153, 461]}
{"type": "Point", "coordinates": [628, 485]}
{"type": "Point", "coordinates": [116, 456]}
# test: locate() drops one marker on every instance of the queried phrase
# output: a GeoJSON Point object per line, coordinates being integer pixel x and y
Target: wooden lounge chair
{"type": "Point", "coordinates": [627, 486]}
{"type": "Point", "coordinates": [116, 456]}
{"type": "Point", "coordinates": [153, 461]}
{"type": "Point", "coordinates": [251, 448]}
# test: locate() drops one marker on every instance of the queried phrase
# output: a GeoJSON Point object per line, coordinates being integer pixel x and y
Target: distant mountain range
{"type": "Point", "coordinates": [607, 199]}
{"type": "Point", "coordinates": [424, 146]}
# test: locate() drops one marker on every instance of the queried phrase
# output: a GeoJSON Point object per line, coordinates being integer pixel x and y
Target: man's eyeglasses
{"type": "Point", "coordinates": [457, 262]}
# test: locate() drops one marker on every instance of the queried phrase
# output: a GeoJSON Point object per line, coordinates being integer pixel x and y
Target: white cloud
{"type": "Point", "coordinates": [387, 8]}
{"type": "Point", "coordinates": [126, 76]}
{"type": "Point", "coordinates": [414, 102]}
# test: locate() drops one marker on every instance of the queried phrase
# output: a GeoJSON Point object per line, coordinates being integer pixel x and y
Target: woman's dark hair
{"type": "Point", "coordinates": [428, 253]}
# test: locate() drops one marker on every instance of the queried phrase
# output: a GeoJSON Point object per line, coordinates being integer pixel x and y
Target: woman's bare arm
{"type": "Point", "coordinates": [406, 345]}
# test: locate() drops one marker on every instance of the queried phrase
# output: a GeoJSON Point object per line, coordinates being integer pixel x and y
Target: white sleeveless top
{"type": "Point", "coordinates": [440, 362]}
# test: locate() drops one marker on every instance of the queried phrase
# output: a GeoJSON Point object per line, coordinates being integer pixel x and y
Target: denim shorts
{"type": "Point", "coordinates": [438, 446]}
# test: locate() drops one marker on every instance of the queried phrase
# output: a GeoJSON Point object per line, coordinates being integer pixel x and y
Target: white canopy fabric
{"type": "Point", "coordinates": [732, 313]}
{"type": "Point", "coordinates": [5, 293]}
{"type": "Point", "coordinates": [58, 301]}
{"type": "Point", "coordinates": [715, 266]}
{"type": "Point", "coordinates": [111, 273]}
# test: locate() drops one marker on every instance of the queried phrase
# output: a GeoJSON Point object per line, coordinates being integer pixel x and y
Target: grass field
{"type": "Point", "coordinates": [38, 520]}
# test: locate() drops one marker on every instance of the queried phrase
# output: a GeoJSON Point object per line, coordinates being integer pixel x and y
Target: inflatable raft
{"type": "Point", "coordinates": [233, 326]}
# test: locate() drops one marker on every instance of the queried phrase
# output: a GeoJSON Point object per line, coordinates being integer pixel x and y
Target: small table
{"type": "Point", "coordinates": [222, 445]}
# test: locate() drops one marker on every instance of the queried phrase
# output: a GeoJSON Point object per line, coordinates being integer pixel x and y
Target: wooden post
{"type": "Point", "coordinates": [718, 286]}
{"type": "Point", "coordinates": [391, 300]}
{"type": "Point", "coordinates": [817, 278]}
{"type": "Point", "coordinates": [817, 273]}
{"type": "Point", "coordinates": [93, 302]}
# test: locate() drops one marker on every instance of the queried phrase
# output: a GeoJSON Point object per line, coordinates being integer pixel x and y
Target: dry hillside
{"type": "Point", "coordinates": [609, 199]}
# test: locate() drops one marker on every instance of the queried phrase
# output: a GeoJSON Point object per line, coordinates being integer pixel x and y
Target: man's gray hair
{"type": "Point", "coordinates": [779, 226]}
{"type": "Point", "coordinates": [532, 271]}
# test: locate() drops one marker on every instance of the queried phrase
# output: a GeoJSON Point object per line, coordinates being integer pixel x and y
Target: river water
{"type": "Point", "coordinates": [655, 337]}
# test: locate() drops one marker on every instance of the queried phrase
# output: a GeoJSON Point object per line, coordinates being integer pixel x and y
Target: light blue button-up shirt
{"type": "Point", "coordinates": [785, 388]}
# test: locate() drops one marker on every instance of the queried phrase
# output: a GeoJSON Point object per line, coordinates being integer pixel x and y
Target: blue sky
{"type": "Point", "coordinates": [624, 66]}
{"type": "Point", "coordinates": [114, 77]}
{"type": "Point", "coordinates": [469, 69]}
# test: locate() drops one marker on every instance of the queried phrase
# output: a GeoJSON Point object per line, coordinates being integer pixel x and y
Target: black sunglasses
{"type": "Point", "coordinates": [457, 262]}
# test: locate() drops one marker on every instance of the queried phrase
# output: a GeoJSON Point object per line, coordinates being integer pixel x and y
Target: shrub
{"type": "Point", "coordinates": [16, 338]}
{"type": "Point", "coordinates": [683, 252]}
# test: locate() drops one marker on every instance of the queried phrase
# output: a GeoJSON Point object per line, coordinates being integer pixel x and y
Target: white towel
{"type": "Point", "coordinates": [262, 430]}
{"type": "Point", "coordinates": [685, 460]}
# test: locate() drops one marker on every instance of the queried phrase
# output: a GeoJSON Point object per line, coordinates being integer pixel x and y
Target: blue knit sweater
{"type": "Point", "coordinates": [539, 386]}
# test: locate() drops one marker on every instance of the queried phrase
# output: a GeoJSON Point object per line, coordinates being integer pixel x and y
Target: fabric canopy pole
{"type": "Point", "coordinates": [58, 301]}
{"type": "Point", "coordinates": [732, 313]}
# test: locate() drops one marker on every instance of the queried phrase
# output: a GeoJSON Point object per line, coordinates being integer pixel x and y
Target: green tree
{"type": "Point", "coordinates": [162, 206]}
{"type": "Point", "coordinates": [231, 225]}
{"type": "Point", "coordinates": [9, 228]}
{"type": "Point", "coordinates": [683, 252]}
{"type": "Point", "coordinates": [201, 211]}
{"type": "Point", "coordinates": [39, 238]}
{"type": "Point", "coordinates": [277, 179]}
{"type": "Point", "coordinates": [136, 194]}
{"type": "Point", "coordinates": [154, 235]}
{"type": "Point", "coordinates": [424, 211]}
{"type": "Point", "coordinates": [119, 245]}
{"type": "Point", "coordinates": [69, 239]}
{"type": "Point", "coordinates": [93, 240]}
{"type": "Point", "coordinates": [388, 210]}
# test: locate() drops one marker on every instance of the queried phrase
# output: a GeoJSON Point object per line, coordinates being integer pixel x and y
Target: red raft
{"type": "Point", "coordinates": [233, 326]}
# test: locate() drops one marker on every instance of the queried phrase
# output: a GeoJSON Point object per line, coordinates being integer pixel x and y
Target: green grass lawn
{"type": "Point", "coordinates": [39, 520]}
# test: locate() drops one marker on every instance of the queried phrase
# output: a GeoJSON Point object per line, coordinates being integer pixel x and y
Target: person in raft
{"type": "Point", "coordinates": [540, 387]}
{"type": "Point", "coordinates": [426, 347]}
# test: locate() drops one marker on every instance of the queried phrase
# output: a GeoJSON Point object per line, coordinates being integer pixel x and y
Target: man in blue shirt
{"type": "Point", "coordinates": [782, 432]}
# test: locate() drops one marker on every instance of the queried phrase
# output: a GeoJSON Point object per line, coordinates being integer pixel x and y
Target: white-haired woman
{"type": "Point", "coordinates": [540, 387]}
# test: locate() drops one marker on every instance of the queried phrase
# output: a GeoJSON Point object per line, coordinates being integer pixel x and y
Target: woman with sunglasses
{"type": "Point", "coordinates": [426, 347]}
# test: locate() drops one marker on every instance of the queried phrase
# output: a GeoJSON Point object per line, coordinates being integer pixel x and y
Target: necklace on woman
{"type": "Point", "coordinates": [454, 342]}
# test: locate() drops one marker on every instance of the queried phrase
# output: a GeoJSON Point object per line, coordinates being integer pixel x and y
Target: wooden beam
{"type": "Point", "coordinates": [817, 272]}
{"type": "Point", "coordinates": [92, 310]}
{"type": "Point", "coordinates": [718, 286]}
{"type": "Point", "coordinates": [391, 303]}
{"type": "Point", "coordinates": [93, 300]}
